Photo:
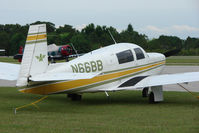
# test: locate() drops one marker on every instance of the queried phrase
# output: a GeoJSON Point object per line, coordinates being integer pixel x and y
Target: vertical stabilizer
{"type": "Point", "coordinates": [35, 58]}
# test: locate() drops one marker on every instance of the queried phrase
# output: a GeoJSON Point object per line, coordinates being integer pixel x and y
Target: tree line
{"type": "Point", "coordinates": [12, 36]}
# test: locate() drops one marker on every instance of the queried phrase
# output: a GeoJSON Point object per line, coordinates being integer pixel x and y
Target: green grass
{"type": "Point", "coordinates": [126, 112]}
{"type": "Point", "coordinates": [8, 59]}
{"type": "Point", "coordinates": [11, 60]}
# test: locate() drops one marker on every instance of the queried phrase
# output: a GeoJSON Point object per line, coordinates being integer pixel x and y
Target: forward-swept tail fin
{"type": "Point", "coordinates": [35, 58]}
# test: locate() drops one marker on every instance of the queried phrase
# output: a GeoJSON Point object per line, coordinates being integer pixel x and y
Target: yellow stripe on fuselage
{"type": "Point", "coordinates": [67, 85]}
{"type": "Point", "coordinates": [36, 37]}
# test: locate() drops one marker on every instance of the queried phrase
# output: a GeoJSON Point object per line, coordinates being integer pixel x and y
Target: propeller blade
{"type": "Point", "coordinates": [172, 52]}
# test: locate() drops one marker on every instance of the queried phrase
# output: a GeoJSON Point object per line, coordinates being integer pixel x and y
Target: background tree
{"type": "Point", "coordinates": [12, 36]}
{"type": "Point", "coordinates": [129, 35]}
{"type": "Point", "coordinates": [4, 42]}
{"type": "Point", "coordinates": [16, 41]}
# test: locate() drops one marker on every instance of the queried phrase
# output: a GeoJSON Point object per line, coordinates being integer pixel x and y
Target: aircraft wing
{"type": "Point", "coordinates": [156, 80]}
{"type": "Point", "coordinates": [9, 71]}
{"type": "Point", "coordinates": [62, 76]}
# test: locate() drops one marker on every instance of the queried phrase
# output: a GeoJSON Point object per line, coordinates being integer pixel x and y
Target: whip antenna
{"type": "Point", "coordinates": [112, 36]}
{"type": "Point", "coordinates": [75, 50]}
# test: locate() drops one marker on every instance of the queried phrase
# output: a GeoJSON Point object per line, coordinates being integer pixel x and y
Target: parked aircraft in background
{"type": "Point", "coordinates": [54, 52]}
{"type": "Point", "coordinates": [59, 52]}
{"type": "Point", "coordinates": [121, 66]}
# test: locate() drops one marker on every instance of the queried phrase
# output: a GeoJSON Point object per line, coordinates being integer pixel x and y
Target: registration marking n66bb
{"type": "Point", "coordinates": [91, 66]}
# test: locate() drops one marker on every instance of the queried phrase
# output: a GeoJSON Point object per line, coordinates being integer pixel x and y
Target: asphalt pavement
{"type": "Point", "coordinates": [193, 86]}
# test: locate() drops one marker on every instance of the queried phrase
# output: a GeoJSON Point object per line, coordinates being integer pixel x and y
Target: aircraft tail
{"type": "Point", "coordinates": [35, 58]}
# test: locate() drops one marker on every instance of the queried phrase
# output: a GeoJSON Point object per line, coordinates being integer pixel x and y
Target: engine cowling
{"type": "Point", "coordinates": [66, 50]}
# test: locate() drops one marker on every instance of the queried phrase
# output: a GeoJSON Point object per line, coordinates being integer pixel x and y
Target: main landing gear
{"type": "Point", "coordinates": [155, 95]}
{"type": "Point", "coordinates": [75, 97]}
{"type": "Point", "coordinates": [145, 92]}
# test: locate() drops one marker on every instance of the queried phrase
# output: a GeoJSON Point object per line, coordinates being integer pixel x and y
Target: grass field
{"type": "Point", "coordinates": [126, 112]}
{"type": "Point", "coordinates": [8, 59]}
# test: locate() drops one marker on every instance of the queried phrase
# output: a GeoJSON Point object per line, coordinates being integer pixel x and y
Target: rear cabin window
{"type": "Point", "coordinates": [125, 56]}
{"type": "Point", "coordinates": [139, 53]}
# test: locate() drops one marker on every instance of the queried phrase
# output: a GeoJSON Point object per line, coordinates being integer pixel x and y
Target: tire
{"type": "Point", "coordinates": [75, 97]}
{"type": "Point", "coordinates": [69, 95]}
{"type": "Point", "coordinates": [151, 98]}
{"type": "Point", "coordinates": [78, 97]}
{"type": "Point", "coordinates": [145, 92]}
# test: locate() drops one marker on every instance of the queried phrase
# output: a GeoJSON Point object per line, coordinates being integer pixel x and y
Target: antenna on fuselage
{"type": "Point", "coordinates": [112, 36]}
{"type": "Point", "coordinates": [75, 50]}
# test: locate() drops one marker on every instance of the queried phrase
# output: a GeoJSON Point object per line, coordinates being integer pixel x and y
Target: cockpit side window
{"type": "Point", "coordinates": [125, 56]}
{"type": "Point", "coordinates": [139, 53]}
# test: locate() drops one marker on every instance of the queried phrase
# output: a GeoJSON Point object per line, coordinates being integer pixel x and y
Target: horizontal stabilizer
{"type": "Point", "coordinates": [9, 71]}
{"type": "Point", "coordinates": [62, 76]}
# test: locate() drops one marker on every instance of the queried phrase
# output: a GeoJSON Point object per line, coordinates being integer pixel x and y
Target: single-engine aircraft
{"type": "Point", "coordinates": [121, 66]}
{"type": "Point", "coordinates": [54, 53]}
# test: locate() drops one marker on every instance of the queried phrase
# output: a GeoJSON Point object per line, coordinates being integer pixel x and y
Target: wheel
{"type": "Point", "coordinates": [145, 92]}
{"type": "Point", "coordinates": [69, 95]}
{"type": "Point", "coordinates": [151, 98]}
{"type": "Point", "coordinates": [52, 61]}
{"type": "Point", "coordinates": [67, 59]}
{"type": "Point", "coordinates": [78, 97]}
{"type": "Point", "coordinates": [75, 97]}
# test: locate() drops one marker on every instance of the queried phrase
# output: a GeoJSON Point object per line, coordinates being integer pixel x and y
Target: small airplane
{"type": "Point", "coordinates": [59, 52]}
{"type": "Point", "coordinates": [54, 53]}
{"type": "Point", "coordinates": [121, 66]}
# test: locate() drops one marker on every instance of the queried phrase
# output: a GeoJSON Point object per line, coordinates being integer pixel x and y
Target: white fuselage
{"type": "Point", "coordinates": [106, 61]}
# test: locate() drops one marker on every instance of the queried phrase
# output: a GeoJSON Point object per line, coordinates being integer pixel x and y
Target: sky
{"type": "Point", "coordinates": [151, 17]}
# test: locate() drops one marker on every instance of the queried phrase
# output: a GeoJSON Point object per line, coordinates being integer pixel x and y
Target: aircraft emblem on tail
{"type": "Point", "coordinates": [40, 57]}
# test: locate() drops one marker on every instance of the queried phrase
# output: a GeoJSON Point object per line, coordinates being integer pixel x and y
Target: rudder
{"type": "Point", "coordinates": [35, 58]}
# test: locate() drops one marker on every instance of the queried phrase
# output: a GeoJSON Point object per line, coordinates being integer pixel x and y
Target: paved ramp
{"type": "Point", "coordinates": [6, 83]}
{"type": "Point", "coordinates": [194, 86]}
